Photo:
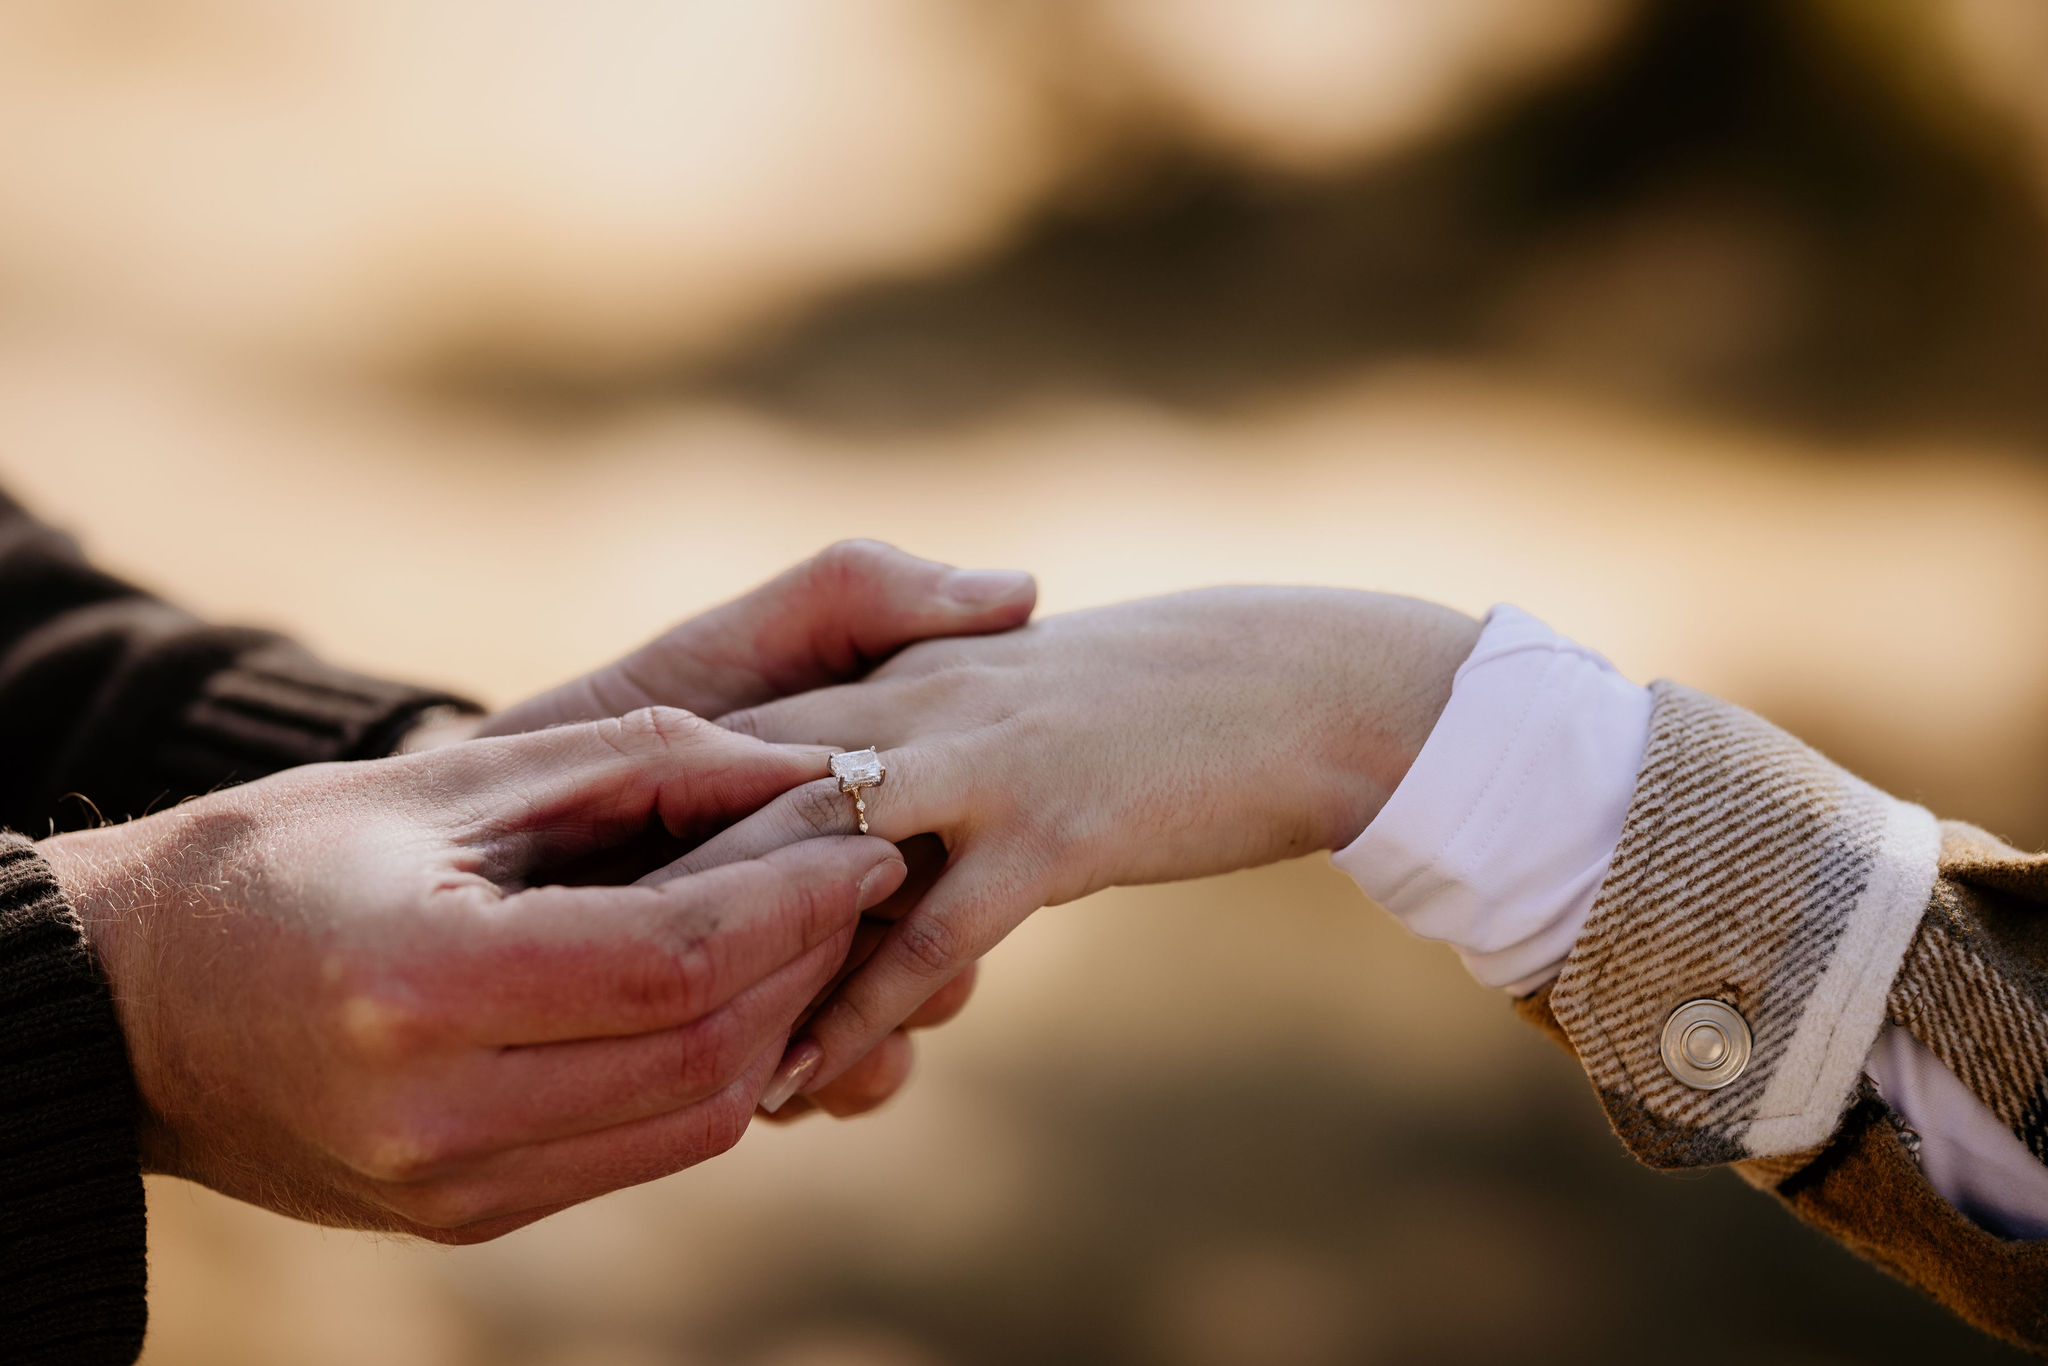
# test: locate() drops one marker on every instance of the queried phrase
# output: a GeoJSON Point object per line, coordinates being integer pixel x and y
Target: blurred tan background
{"type": "Point", "coordinates": [474, 342]}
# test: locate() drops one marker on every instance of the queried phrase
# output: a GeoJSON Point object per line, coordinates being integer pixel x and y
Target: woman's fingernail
{"type": "Point", "coordinates": [974, 588]}
{"type": "Point", "coordinates": [882, 880]}
{"type": "Point", "coordinates": [797, 1066]}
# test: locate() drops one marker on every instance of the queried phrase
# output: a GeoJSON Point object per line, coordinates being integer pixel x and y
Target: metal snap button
{"type": "Point", "coordinates": [1706, 1044]}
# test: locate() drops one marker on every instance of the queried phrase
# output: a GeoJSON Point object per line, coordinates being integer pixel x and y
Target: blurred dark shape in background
{"type": "Point", "coordinates": [1770, 210]}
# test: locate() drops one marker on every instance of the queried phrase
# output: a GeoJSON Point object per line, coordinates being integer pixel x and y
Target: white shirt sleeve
{"type": "Point", "coordinates": [1498, 839]}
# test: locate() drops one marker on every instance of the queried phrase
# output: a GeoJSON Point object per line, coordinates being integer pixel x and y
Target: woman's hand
{"type": "Point", "coordinates": [349, 994]}
{"type": "Point", "coordinates": [1151, 741]}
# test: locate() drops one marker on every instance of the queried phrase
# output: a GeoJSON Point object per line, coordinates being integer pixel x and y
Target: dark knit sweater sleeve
{"type": "Point", "coordinates": [113, 704]}
{"type": "Point", "coordinates": [71, 1214]}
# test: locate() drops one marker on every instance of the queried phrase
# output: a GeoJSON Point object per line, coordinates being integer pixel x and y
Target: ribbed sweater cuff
{"type": "Point", "coordinates": [72, 1274]}
{"type": "Point", "coordinates": [280, 706]}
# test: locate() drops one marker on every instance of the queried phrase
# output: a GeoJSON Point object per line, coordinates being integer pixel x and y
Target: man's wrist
{"type": "Point", "coordinates": [80, 863]}
{"type": "Point", "coordinates": [105, 875]}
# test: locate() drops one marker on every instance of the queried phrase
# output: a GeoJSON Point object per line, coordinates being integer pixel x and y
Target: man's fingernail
{"type": "Point", "coordinates": [882, 879]}
{"type": "Point", "coordinates": [797, 1066]}
{"type": "Point", "coordinates": [985, 587]}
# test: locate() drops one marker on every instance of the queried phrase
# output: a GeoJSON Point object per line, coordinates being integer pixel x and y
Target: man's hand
{"type": "Point", "coordinates": [350, 993]}
{"type": "Point", "coordinates": [829, 620]}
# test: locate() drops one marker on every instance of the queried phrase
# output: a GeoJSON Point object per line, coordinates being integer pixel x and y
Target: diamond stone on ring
{"type": "Point", "coordinates": [856, 770]}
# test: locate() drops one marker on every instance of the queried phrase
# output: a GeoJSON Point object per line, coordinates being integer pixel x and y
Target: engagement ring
{"type": "Point", "coordinates": [856, 770]}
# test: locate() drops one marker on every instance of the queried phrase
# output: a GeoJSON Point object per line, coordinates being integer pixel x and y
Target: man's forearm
{"type": "Point", "coordinates": [114, 703]}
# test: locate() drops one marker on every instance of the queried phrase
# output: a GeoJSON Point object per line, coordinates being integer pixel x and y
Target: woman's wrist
{"type": "Point", "coordinates": [1401, 657]}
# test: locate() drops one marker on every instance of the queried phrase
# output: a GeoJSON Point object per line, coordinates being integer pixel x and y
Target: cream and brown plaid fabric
{"type": "Point", "coordinates": [1976, 978]}
{"type": "Point", "coordinates": [1755, 872]}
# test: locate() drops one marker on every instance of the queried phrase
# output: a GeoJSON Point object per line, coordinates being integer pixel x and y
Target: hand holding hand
{"type": "Point", "coordinates": [1156, 740]}
{"type": "Point", "coordinates": [828, 620]}
{"type": "Point", "coordinates": [349, 994]}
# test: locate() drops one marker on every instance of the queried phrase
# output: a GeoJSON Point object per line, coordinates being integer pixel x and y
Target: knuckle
{"type": "Point", "coordinates": [701, 1059]}
{"type": "Point", "coordinates": [712, 1058]}
{"type": "Point", "coordinates": [395, 1154]}
{"type": "Point", "coordinates": [820, 808]}
{"type": "Point", "coordinates": [381, 1029]}
{"type": "Point", "coordinates": [649, 732]}
{"type": "Point", "coordinates": [676, 976]}
{"type": "Point", "coordinates": [694, 971]}
{"type": "Point", "coordinates": [728, 1046]}
{"type": "Point", "coordinates": [659, 728]}
{"type": "Point", "coordinates": [851, 561]}
{"type": "Point", "coordinates": [726, 1123]}
{"type": "Point", "coordinates": [931, 944]}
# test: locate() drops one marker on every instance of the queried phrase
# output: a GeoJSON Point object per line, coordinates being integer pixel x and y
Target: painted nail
{"type": "Point", "coordinates": [797, 1066]}
{"type": "Point", "coordinates": [977, 588]}
{"type": "Point", "coordinates": [882, 881]}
